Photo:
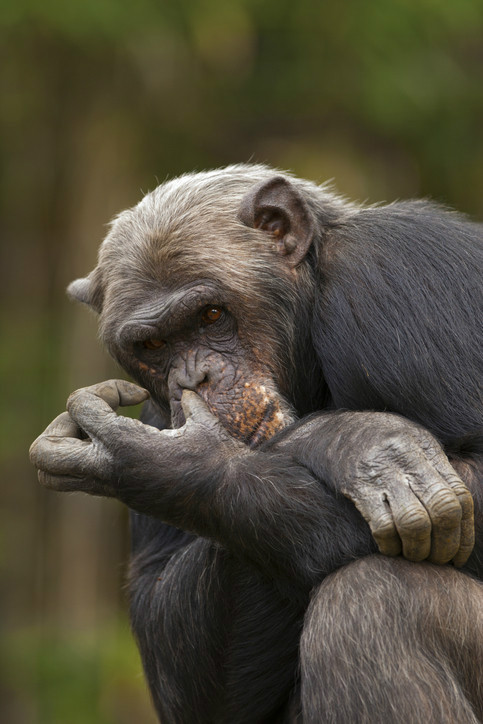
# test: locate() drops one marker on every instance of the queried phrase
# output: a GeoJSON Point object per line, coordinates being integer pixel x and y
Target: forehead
{"type": "Point", "coordinates": [187, 229]}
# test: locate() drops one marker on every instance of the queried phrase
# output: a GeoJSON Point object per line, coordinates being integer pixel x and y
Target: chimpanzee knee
{"type": "Point", "coordinates": [390, 641]}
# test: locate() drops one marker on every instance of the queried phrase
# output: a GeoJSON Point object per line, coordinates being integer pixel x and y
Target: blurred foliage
{"type": "Point", "coordinates": [100, 99]}
{"type": "Point", "coordinates": [75, 680]}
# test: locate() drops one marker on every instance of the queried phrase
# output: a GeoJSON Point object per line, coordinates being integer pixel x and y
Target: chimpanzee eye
{"type": "Point", "coordinates": [211, 315]}
{"type": "Point", "coordinates": [153, 343]}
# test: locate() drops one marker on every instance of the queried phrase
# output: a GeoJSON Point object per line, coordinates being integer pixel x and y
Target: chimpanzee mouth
{"type": "Point", "coordinates": [271, 422]}
{"type": "Point", "coordinates": [267, 425]}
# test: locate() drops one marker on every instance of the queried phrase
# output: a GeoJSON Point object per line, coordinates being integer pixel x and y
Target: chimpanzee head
{"type": "Point", "coordinates": [207, 284]}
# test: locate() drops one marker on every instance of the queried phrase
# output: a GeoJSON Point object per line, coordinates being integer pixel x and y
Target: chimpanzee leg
{"type": "Point", "coordinates": [387, 641]}
{"type": "Point", "coordinates": [218, 641]}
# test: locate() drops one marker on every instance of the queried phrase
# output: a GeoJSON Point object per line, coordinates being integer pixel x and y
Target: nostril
{"type": "Point", "coordinates": [182, 380]}
{"type": "Point", "coordinates": [203, 382]}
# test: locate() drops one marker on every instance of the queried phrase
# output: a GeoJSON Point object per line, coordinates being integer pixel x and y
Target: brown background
{"type": "Point", "coordinates": [100, 100]}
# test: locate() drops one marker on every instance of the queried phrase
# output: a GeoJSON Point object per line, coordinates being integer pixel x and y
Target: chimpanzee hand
{"type": "Point", "coordinates": [393, 470]}
{"type": "Point", "coordinates": [92, 449]}
{"type": "Point", "coordinates": [397, 475]}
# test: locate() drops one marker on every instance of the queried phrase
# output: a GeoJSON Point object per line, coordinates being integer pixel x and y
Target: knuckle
{"type": "Point", "coordinates": [387, 539]}
{"type": "Point", "coordinates": [390, 547]}
{"type": "Point", "coordinates": [444, 548]}
{"type": "Point", "coordinates": [465, 500]}
{"type": "Point", "coordinates": [414, 522]}
{"type": "Point", "coordinates": [45, 479]}
{"type": "Point", "coordinates": [463, 554]}
{"type": "Point", "coordinates": [383, 528]}
{"type": "Point", "coordinates": [467, 539]}
{"type": "Point", "coordinates": [34, 451]}
{"type": "Point", "coordinates": [83, 393]}
{"type": "Point", "coordinates": [76, 398]}
{"type": "Point", "coordinates": [395, 446]}
{"type": "Point", "coordinates": [49, 481]}
{"type": "Point", "coordinates": [445, 508]}
{"type": "Point", "coordinates": [428, 442]}
{"type": "Point", "coordinates": [416, 553]}
{"type": "Point", "coordinates": [41, 450]}
{"type": "Point", "coordinates": [399, 451]}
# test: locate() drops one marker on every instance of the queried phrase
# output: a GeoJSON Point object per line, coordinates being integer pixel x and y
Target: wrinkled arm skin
{"type": "Point", "coordinates": [266, 509]}
{"type": "Point", "coordinates": [397, 475]}
{"type": "Point", "coordinates": [266, 505]}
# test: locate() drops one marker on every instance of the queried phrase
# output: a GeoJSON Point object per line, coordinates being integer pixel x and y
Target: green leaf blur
{"type": "Point", "coordinates": [100, 100]}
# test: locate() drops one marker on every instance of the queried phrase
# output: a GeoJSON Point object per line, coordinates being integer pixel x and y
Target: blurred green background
{"type": "Point", "coordinates": [100, 101]}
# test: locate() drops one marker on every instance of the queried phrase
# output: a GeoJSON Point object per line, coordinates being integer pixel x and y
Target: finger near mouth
{"type": "Point", "coordinates": [266, 425]}
{"type": "Point", "coordinates": [178, 418]}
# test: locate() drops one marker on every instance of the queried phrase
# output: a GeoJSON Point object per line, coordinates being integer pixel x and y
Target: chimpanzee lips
{"type": "Point", "coordinates": [262, 429]}
{"type": "Point", "coordinates": [271, 422]}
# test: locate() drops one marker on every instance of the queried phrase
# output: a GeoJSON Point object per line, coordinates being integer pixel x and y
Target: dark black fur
{"type": "Point", "coordinates": [219, 625]}
{"type": "Point", "coordinates": [264, 599]}
{"type": "Point", "coordinates": [416, 290]}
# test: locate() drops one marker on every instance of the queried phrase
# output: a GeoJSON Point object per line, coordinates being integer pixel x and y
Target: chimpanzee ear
{"type": "Point", "coordinates": [275, 206]}
{"type": "Point", "coordinates": [88, 291]}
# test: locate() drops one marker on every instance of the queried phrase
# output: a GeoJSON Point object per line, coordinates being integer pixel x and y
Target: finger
{"type": "Point", "coordinates": [467, 538]}
{"type": "Point", "coordinates": [195, 408]}
{"type": "Point", "coordinates": [63, 426]}
{"type": "Point", "coordinates": [442, 505]}
{"type": "Point", "coordinates": [378, 515]}
{"type": "Point", "coordinates": [429, 483]}
{"type": "Point", "coordinates": [69, 484]}
{"type": "Point", "coordinates": [116, 393]}
{"type": "Point", "coordinates": [445, 513]}
{"type": "Point", "coordinates": [412, 523]}
{"type": "Point", "coordinates": [467, 543]}
{"type": "Point", "coordinates": [93, 407]}
{"type": "Point", "coordinates": [199, 416]}
{"type": "Point", "coordinates": [465, 501]}
{"type": "Point", "coordinates": [62, 483]}
{"type": "Point", "coordinates": [63, 456]}
{"type": "Point", "coordinates": [122, 392]}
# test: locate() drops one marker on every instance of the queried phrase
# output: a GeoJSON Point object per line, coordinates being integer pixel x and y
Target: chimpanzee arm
{"type": "Point", "coordinates": [265, 508]}
{"type": "Point", "coordinates": [263, 505]}
{"type": "Point", "coordinates": [188, 594]}
{"type": "Point", "coordinates": [397, 475]}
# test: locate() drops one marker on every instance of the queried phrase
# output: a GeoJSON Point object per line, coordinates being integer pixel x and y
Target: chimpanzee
{"type": "Point", "coordinates": [302, 354]}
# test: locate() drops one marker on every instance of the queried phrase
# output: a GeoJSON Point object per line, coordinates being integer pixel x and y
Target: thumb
{"type": "Point", "coordinates": [91, 406]}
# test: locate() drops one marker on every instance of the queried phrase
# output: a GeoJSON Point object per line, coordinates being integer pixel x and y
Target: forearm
{"type": "Point", "coordinates": [330, 444]}
{"type": "Point", "coordinates": [265, 508]}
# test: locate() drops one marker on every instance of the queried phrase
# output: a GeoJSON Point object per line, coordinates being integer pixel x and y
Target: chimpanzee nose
{"type": "Point", "coordinates": [188, 381]}
{"type": "Point", "coordinates": [188, 377]}
{"type": "Point", "coordinates": [182, 378]}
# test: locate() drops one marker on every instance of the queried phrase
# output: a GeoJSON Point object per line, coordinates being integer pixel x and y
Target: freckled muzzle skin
{"type": "Point", "coordinates": [243, 397]}
{"type": "Point", "coordinates": [251, 413]}
{"type": "Point", "coordinates": [237, 388]}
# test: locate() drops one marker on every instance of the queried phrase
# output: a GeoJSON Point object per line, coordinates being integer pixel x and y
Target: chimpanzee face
{"type": "Point", "coordinates": [189, 339]}
{"type": "Point", "coordinates": [192, 295]}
